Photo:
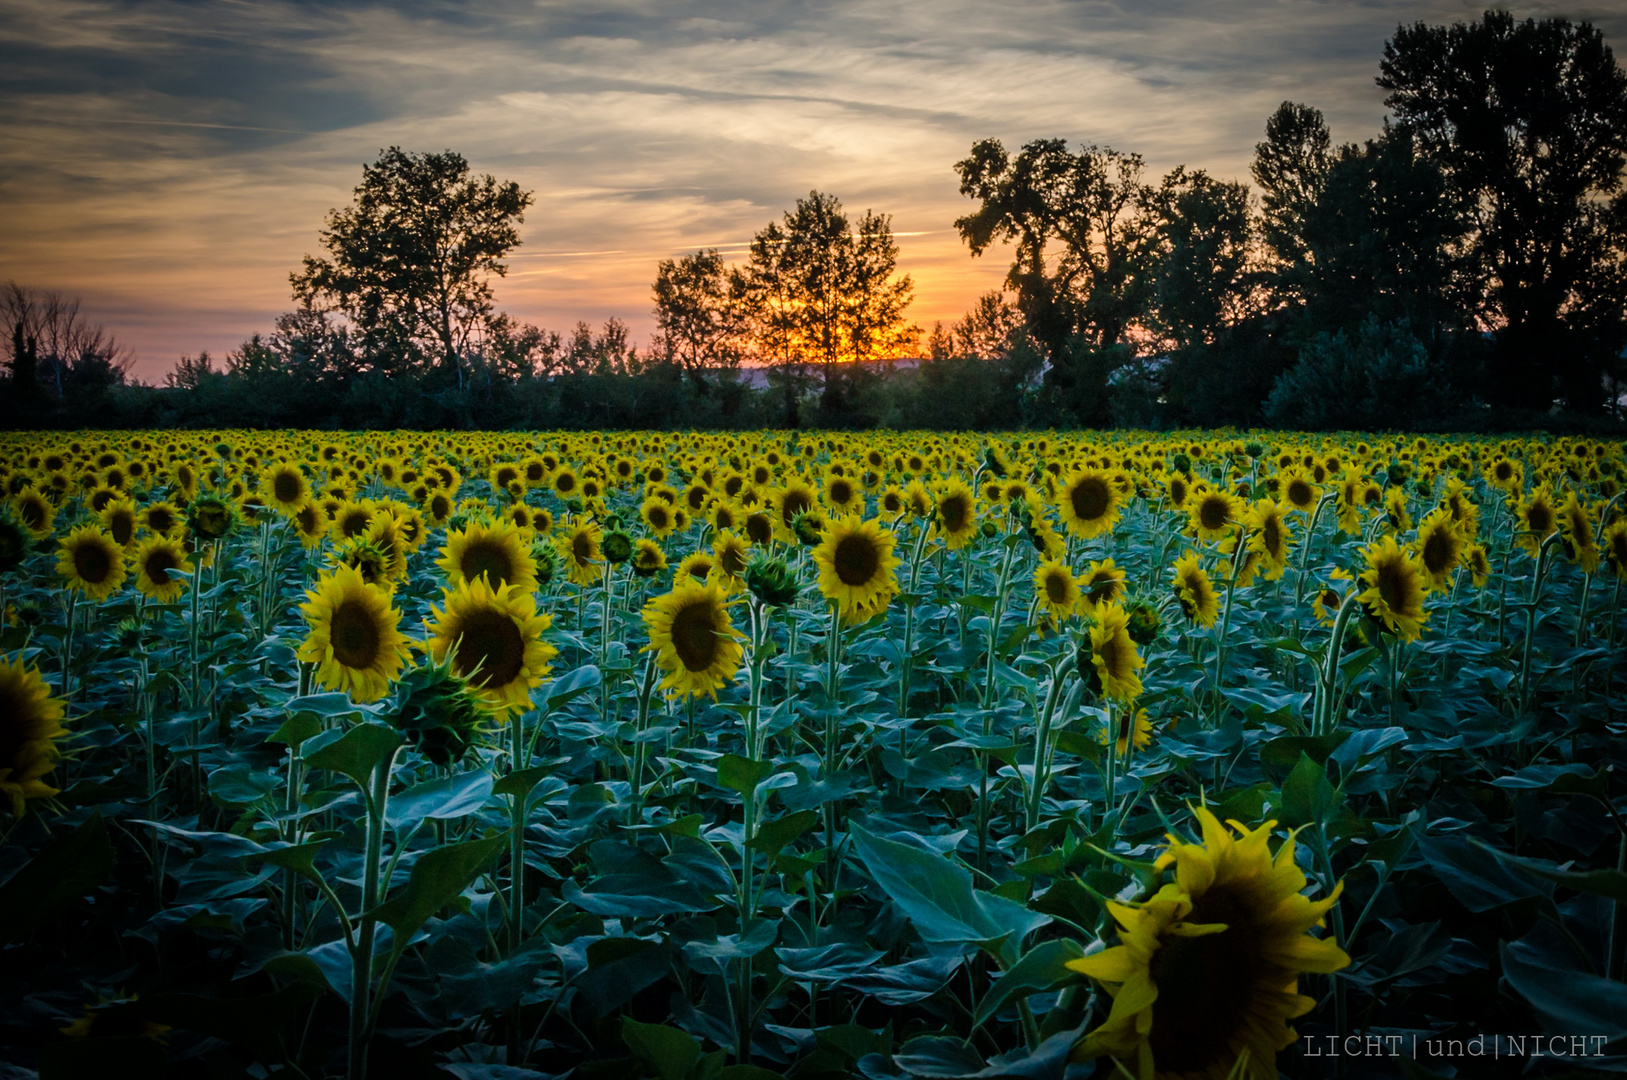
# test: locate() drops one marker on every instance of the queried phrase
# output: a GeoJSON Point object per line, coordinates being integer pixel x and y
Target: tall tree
{"type": "Point", "coordinates": [701, 312]}
{"type": "Point", "coordinates": [52, 346]}
{"type": "Point", "coordinates": [822, 292]}
{"type": "Point", "coordinates": [410, 263]}
{"type": "Point", "coordinates": [1202, 237]}
{"type": "Point", "coordinates": [1291, 166]}
{"type": "Point", "coordinates": [1529, 121]}
{"type": "Point", "coordinates": [1084, 248]}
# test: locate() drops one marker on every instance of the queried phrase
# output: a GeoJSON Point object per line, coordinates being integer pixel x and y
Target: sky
{"type": "Point", "coordinates": [171, 162]}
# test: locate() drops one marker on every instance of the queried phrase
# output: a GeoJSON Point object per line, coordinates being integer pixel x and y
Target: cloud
{"type": "Point", "coordinates": [171, 161]}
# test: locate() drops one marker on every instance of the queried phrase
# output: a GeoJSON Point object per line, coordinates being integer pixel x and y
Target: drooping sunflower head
{"type": "Point", "coordinates": [354, 638]}
{"type": "Point", "coordinates": [1194, 591]}
{"type": "Point", "coordinates": [1114, 654]}
{"type": "Point", "coordinates": [1056, 590]}
{"type": "Point", "coordinates": [91, 562]}
{"type": "Point", "coordinates": [1394, 589]}
{"type": "Point", "coordinates": [494, 551]}
{"type": "Point", "coordinates": [856, 567]}
{"type": "Point", "coordinates": [30, 722]}
{"type": "Point", "coordinates": [695, 645]}
{"type": "Point", "coordinates": [1577, 526]}
{"type": "Point", "coordinates": [494, 637]}
{"type": "Point", "coordinates": [1206, 975]}
{"type": "Point", "coordinates": [153, 559]}
{"type": "Point", "coordinates": [1089, 502]}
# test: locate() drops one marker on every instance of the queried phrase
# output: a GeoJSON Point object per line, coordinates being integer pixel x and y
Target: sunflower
{"type": "Point", "coordinates": [1298, 491]}
{"type": "Point", "coordinates": [918, 499]}
{"type": "Point", "coordinates": [794, 498]}
{"type": "Point", "coordinates": [1114, 655]}
{"type": "Point", "coordinates": [351, 520]}
{"type": "Point", "coordinates": [694, 642]}
{"type": "Point", "coordinates": [495, 637]}
{"type": "Point", "coordinates": [354, 641]}
{"type": "Point", "coordinates": [1479, 563]}
{"type": "Point", "coordinates": [1538, 520]}
{"type": "Point", "coordinates": [856, 565]}
{"type": "Point", "coordinates": [1577, 528]}
{"type": "Point", "coordinates": [1089, 502]}
{"type": "Point", "coordinates": [1132, 724]}
{"type": "Point", "coordinates": [91, 562]}
{"type": "Point", "coordinates": [153, 560]}
{"type": "Point", "coordinates": [648, 558]}
{"type": "Point", "coordinates": [34, 512]}
{"type": "Point", "coordinates": [1103, 583]}
{"type": "Point", "coordinates": [731, 551]}
{"type": "Point", "coordinates": [30, 721]}
{"type": "Point", "coordinates": [1269, 537]}
{"type": "Point", "coordinates": [843, 495]}
{"type": "Point", "coordinates": [657, 515]}
{"type": "Point", "coordinates": [1395, 589]}
{"type": "Point", "coordinates": [697, 565]}
{"type": "Point", "coordinates": [284, 486]}
{"type": "Point", "coordinates": [1206, 973]}
{"type": "Point", "coordinates": [496, 552]}
{"type": "Point", "coordinates": [1326, 603]}
{"type": "Point", "coordinates": [1177, 487]}
{"type": "Point", "coordinates": [580, 545]}
{"type": "Point", "coordinates": [120, 519]}
{"type": "Point", "coordinates": [1195, 591]}
{"type": "Point", "coordinates": [1056, 589]}
{"type": "Point", "coordinates": [1213, 514]}
{"type": "Point", "coordinates": [1439, 547]}
{"type": "Point", "coordinates": [956, 518]}
{"type": "Point", "coordinates": [1395, 510]}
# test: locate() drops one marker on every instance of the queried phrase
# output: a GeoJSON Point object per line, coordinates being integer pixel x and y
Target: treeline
{"type": "Point", "coordinates": [1466, 268]}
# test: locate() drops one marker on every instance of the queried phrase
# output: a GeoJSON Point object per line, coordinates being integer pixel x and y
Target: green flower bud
{"type": "Point", "coordinates": [438, 714]}
{"type": "Point", "coordinates": [809, 527]}
{"type": "Point", "coordinates": [617, 547]}
{"type": "Point", "coordinates": [211, 518]}
{"type": "Point", "coordinates": [1254, 450]}
{"type": "Point", "coordinates": [1144, 621]}
{"type": "Point", "coordinates": [546, 556]}
{"type": "Point", "coordinates": [1182, 463]}
{"type": "Point", "coordinates": [771, 582]}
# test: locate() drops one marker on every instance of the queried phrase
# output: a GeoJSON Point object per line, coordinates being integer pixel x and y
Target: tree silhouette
{"type": "Point", "coordinates": [410, 263]}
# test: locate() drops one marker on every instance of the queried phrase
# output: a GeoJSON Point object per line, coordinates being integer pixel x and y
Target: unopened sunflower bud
{"type": "Point", "coordinates": [771, 582]}
{"type": "Point", "coordinates": [1144, 622]}
{"type": "Point", "coordinates": [438, 714]}
{"type": "Point", "coordinates": [211, 518]}
{"type": "Point", "coordinates": [617, 547]}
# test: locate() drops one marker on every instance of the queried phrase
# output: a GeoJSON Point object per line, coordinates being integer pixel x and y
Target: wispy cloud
{"type": "Point", "coordinates": [172, 161]}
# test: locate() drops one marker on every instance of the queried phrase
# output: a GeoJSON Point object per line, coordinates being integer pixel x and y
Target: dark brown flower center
{"type": "Point", "coordinates": [1056, 588]}
{"type": "Point", "coordinates": [286, 487]}
{"type": "Point", "coordinates": [158, 563]}
{"type": "Point", "coordinates": [794, 503]}
{"type": "Point", "coordinates": [354, 634]}
{"type": "Point", "coordinates": [491, 651]}
{"type": "Point", "coordinates": [856, 560]}
{"type": "Point", "coordinates": [1214, 512]}
{"type": "Point", "coordinates": [1090, 498]}
{"type": "Point", "coordinates": [1208, 986]}
{"type": "Point", "coordinates": [92, 562]}
{"type": "Point", "coordinates": [1439, 553]}
{"type": "Point", "coordinates": [490, 558]}
{"type": "Point", "coordinates": [695, 635]}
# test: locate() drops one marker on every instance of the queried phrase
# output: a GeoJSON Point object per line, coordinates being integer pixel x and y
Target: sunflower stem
{"type": "Point", "coordinates": [1239, 558]}
{"type": "Point", "coordinates": [361, 971]}
{"type": "Point", "coordinates": [1324, 711]}
{"type": "Point", "coordinates": [642, 749]}
{"type": "Point", "coordinates": [1527, 649]}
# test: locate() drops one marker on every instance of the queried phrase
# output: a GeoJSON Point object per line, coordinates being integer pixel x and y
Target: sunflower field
{"type": "Point", "coordinates": [706, 757]}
